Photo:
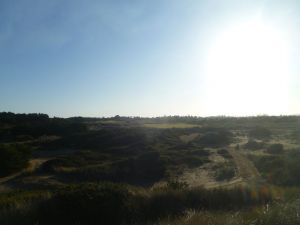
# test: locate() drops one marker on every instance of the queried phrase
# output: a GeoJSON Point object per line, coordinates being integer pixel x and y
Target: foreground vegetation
{"type": "Point", "coordinates": [109, 203]}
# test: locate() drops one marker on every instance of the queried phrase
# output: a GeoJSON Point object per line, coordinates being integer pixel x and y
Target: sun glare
{"type": "Point", "coordinates": [247, 71]}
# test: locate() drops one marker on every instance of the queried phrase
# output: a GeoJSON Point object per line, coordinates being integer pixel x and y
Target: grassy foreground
{"type": "Point", "coordinates": [108, 203]}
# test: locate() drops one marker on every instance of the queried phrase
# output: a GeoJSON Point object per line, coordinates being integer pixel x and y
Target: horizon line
{"type": "Point", "coordinates": [157, 116]}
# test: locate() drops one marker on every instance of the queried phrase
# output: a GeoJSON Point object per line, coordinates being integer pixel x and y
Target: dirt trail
{"type": "Point", "coordinates": [247, 173]}
{"type": "Point", "coordinates": [36, 162]}
{"type": "Point", "coordinates": [33, 165]}
{"type": "Point", "coordinates": [246, 169]}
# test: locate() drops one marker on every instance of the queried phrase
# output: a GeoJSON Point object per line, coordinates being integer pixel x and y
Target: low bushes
{"type": "Point", "coordinates": [261, 133]}
{"type": "Point", "coordinates": [226, 173]}
{"type": "Point", "coordinates": [13, 158]}
{"type": "Point", "coordinates": [275, 149]}
{"type": "Point", "coordinates": [105, 203]}
{"type": "Point", "coordinates": [224, 152]}
{"type": "Point", "coordinates": [217, 138]}
{"type": "Point", "coordinates": [108, 203]}
{"type": "Point", "coordinates": [253, 145]}
{"type": "Point", "coordinates": [144, 169]}
{"type": "Point", "coordinates": [279, 169]}
{"type": "Point", "coordinates": [21, 207]}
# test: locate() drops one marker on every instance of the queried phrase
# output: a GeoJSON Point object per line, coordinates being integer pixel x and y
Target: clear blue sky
{"type": "Point", "coordinates": [136, 58]}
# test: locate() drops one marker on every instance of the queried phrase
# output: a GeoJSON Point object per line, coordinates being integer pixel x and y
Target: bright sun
{"type": "Point", "coordinates": [247, 71]}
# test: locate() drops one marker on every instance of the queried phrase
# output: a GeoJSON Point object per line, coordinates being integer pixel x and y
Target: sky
{"type": "Point", "coordinates": [150, 58]}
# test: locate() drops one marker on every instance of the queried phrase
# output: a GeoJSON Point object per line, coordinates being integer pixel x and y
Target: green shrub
{"type": "Point", "coordinates": [280, 169]}
{"type": "Point", "coordinates": [104, 203]}
{"type": "Point", "coordinates": [144, 169]}
{"type": "Point", "coordinates": [260, 133]}
{"type": "Point", "coordinates": [224, 171]}
{"type": "Point", "coordinates": [193, 161]}
{"type": "Point", "coordinates": [13, 158]}
{"type": "Point", "coordinates": [214, 138]}
{"type": "Point", "coordinates": [224, 152]}
{"type": "Point", "coordinates": [253, 145]}
{"type": "Point", "coordinates": [275, 149]}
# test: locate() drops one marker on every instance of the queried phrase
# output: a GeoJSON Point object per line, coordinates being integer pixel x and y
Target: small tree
{"type": "Point", "coordinates": [275, 149]}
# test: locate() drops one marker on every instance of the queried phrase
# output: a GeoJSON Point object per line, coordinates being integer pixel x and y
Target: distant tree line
{"type": "Point", "coordinates": [12, 118]}
{"type": "Point", "coordinates": [15, 127]}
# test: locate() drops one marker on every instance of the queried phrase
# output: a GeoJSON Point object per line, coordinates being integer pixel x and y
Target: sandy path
{"type": "Point", "coordinates": [32, 166]}
{"type": "Point", "coordinates": [247, 173]}
{"type": "Point", "coordinates": [39, 159]}
{"type": "Point", "coordinates": [246, 168]}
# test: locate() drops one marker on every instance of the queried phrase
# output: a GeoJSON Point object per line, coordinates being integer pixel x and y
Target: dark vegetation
{"type": "Point", "coordinates": [275, 149]}
{"type": "Point", "coordinates": [109, 203]}
{"type": "Point", "coordinates": [224, 152]}
{"type": "Point", "coordinates": [281, 170]}
{"type": "Point", "coordinates": [225, 171]}
{"type": "Point", "coordinates": [215, 138]}
{"type": "Point", "coordinates": [254, 145]}
{"type": "Point", "coordinates": [29, 126]}
{"type": "Point", "coordinates": [144, 169]}
{"type": "Point", "coordinates": [13, 158]}
{"type": "Point", "coordinates": [260, 133]}
{"type": "Point", "coordinates": [103, 169]}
